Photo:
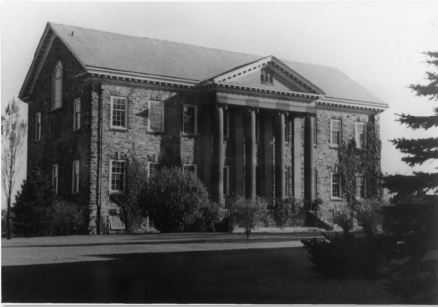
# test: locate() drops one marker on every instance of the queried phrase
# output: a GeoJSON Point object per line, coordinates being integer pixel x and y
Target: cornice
{"type": "Point", "coordinates": [337, 103]}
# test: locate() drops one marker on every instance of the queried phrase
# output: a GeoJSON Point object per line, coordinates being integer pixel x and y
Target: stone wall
{"type": "Point", "coordinates": [326, 156]}
{"type": "Point", "coordinates": [59, 144]}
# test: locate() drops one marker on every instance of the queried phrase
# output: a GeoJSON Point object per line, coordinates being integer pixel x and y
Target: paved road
{"type": "Point", "coordinates": [46, 250]}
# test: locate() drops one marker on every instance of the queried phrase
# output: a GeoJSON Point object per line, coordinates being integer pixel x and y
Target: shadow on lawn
{"type": "Point", "coordinates": [281, 275]}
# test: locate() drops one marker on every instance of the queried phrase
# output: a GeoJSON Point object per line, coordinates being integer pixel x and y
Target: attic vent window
{"type": "Point", "coordinates": [266, 76]}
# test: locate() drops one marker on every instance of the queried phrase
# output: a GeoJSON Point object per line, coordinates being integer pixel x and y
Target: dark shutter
{"type": "Point", "coordinates": [156, 116]}
{"type": "Point", "coordinates": [130, 110]}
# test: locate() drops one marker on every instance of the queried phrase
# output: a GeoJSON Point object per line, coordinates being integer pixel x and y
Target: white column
{"type": "Point", "coordinates": [253, 181]}
{"type": "Point", "coordinates": [221, 155]}
{"type": "Point", "coordinates": [282, 157]}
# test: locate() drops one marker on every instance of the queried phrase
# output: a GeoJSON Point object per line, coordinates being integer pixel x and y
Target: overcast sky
{"type": "Point", "coordinates": [378, 44]}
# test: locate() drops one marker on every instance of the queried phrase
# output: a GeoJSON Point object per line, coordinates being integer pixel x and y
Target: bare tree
{"type": "Point", "coordinates": [14, 131]}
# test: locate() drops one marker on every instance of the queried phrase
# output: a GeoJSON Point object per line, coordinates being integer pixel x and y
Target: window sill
{"type": "Point", "coordinates": [121, 129]}
{"type": "Point", "coordinates": [76, 130]}
{"type": "Point", "coordinates": [334, 198]}
{"type": "Point", "coordinates": [154, 132]}
{"type": "Point", "coordinates": [116, 193]}
{"type": "Point", "coordinates": [189, 135]}
{"type": "Point", "coordinates": [332, 146]}
{"type": "Point", "coordinates": [58, 109]}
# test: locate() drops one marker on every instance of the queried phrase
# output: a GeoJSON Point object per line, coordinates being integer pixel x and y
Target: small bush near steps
{"type": "Point", "coordinates": [344, 255]}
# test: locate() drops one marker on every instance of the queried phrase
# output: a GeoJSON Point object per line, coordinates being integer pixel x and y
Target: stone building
{"type": "Point", "coordinates": [246, 125]}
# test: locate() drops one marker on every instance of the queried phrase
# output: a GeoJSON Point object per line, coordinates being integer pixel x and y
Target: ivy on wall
{"type": "Point", "coordinates": [365, 161]}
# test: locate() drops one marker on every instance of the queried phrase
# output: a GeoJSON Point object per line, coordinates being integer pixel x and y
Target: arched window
{"type": "Point", "coordinates": [57, 86]}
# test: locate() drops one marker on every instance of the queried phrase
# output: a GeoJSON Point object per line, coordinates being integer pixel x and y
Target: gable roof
{"type": "Point", "coordinates": [96, 49]}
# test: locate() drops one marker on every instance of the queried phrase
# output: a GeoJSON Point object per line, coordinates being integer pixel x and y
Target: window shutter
{"type": "Point", "coordinates": [357, 135]}
{"type": "Point", "coordinates": [130, 112]}
{"type": "Point", "coordinates": [156, 116]}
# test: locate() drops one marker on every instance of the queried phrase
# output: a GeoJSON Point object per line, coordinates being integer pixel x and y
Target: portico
{"type": "Point", "coordinates": [268, 149]}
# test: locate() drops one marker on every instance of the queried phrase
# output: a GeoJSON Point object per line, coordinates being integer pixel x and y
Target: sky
{"type": "Point", "coordinates": [378, 44]}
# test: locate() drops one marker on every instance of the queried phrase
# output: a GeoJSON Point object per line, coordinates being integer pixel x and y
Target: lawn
{"type": "Point", "coordinates": [176, 269]}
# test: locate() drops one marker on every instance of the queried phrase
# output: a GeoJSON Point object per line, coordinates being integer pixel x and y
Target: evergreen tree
{"type": "Point", "coordinates": [418, 150]}
{"type": "Point", "coordinates": [30, 211]}
{"type": "Point", "coordinates": [411, 221]}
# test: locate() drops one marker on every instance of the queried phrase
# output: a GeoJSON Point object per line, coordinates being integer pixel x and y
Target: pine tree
{"type": "Point", "coordinates": [411, 222]}
{"type": "Point", "coordinates": [30, 210]}
{"type": "Point", "coordinates": [418, 150]}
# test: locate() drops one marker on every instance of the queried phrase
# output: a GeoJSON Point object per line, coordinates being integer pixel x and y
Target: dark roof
{"type": "Point", "coordinates": [95, 48]}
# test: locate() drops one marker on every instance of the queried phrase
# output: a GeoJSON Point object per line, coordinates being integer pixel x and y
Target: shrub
{"type": "Point", "coordinates": [411, 227]}
{"type": "Point", "coordinates": [346, 255]}
{"type": "Point", "coordinates": [248, 213]}
{"type": "Point", "coordinates": [282, 211]}
{"type": "Point", "coordinates": [344, 219]}
{"type": "Point", "coordinates": [67, 218]}
{"type": "Point", "coordinates": [30, 211]}
{"type": "Point", "coordinates": [174, 200]}
{"type": "Point", "coordinates": [369, 217]}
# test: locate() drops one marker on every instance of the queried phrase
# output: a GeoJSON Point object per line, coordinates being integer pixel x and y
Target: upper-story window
{"type": "Point", "coordinates": [226, 183]}
{"type": "Point", "coordinates": [117, 177]}
{"type": "Point", "coordinates": [119, 112]}
{"type": "Point", "coordinates": [57, 86]}
{"type": "Point", "coordinates": [360, 135]}
{"type": "Point", "coordinates": [288, 184]}
{"type": "Point", "coordinates": [287, 129]}
{"type": "Point", "coordinates": [76, 114]}
{"type": "Point", "coordinates": [55, 178]}
{"type": "Point", "coordinates": [190, 119]}
{"type": "Point", "coordinates": [226, 124]}
{"type": "Point", "coordinates": [75, 177]}
{"type": "Point", "coordinates": [335, 132]}
{"type": "Point", "coordinates": [155, 116]}
{"type": "Point", "coordinates": [37, 126]}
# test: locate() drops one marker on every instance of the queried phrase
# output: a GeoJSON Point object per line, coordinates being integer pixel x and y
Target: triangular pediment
{"type": "Point", "coordinates": [269, 73]}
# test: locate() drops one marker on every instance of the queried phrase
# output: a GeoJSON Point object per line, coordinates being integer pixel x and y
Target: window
{"type": "Point", "coordinates": [119, 112]}
{"type": "Point", "coordinates": [155, 116]}
{"type": "Point", "coordinates": [288, 185]}
{"type": "Point", "coordinates": [76, 114]}
{"type": "Point", "coordinates": [57, 86]}
{"type": "Point", "coordinates": [315, 183]}
{"type": "Point", "coordinates": [55, 179]}
{"type": "Point", "coordinates": [37, 126]}
{"type": "Point", "coordinates": [287, 129]}
{"type": "Point", "coordinates": [190, 121]}
{"type": "Point", "coordinates": [189, 169]}
{"type": "Point", "coordinates": [360, 135]}
{"type": "Point", "coordinates": [226, 124]}
{"type": "Point", "coordinates": [336, 183]}
{"type": "Point", "coordinates": [315, 132]}
{"type": "Point", "coordinates": [117, 175]}
{"type": "Point", "coordinates": [226, 180]}
{"type": "Point", "coordinates": [75, 177]}
{"type": "Point", "coordinates": [360, 186]}
{"type": "Point", "coordinates": [153, 168]}
{"type": "Point", "coordinates": [335, 132]}
{"type": "Point", "coordinates": [257, 122]}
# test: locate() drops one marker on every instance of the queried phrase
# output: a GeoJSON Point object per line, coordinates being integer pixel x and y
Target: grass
{"type": "Point", "coordinates": [227, 275]}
